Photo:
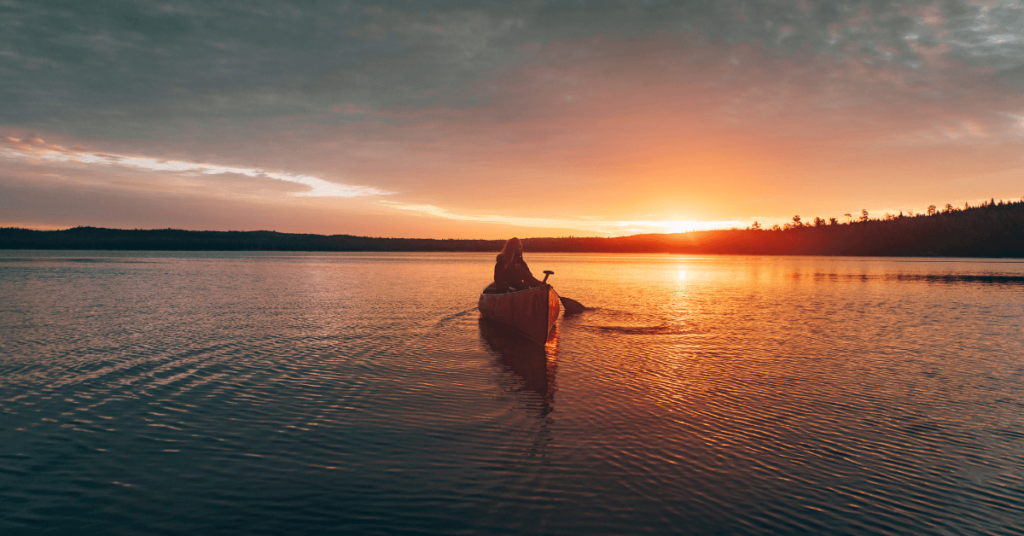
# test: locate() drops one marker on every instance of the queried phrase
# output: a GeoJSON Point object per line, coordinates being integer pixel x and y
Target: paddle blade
{"type": "Point", "coordinates": [572, 307]}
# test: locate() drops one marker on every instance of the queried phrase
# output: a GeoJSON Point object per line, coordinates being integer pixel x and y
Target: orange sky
{"type": "Point", "coordinates": [487, 123]}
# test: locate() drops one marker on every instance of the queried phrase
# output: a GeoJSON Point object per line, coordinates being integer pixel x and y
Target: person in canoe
{"type": "Point", "coordinates": [510, 271]}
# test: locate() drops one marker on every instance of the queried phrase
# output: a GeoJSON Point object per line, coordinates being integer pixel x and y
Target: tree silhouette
{"type": "Point", "coordinates": [990, 230]}
{"type": "Point", "coordinates": [864, 214]}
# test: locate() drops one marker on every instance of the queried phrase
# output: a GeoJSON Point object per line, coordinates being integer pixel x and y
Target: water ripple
{"type": "Point", "coordinates": [227, 393]}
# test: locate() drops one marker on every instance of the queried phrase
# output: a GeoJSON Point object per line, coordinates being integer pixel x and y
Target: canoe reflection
{"type": "Point", "coordinates": [534, 364]}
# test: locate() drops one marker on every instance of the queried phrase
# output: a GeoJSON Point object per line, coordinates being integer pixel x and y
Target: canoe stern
{"type": "Point", "coordinates": [532, 312]}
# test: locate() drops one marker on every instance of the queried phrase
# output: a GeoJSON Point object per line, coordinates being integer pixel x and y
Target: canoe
{"type": "Point", "coordinates": [531, 312]}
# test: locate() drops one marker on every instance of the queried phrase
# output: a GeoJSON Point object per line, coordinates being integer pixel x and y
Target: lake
{"type": "Point", "coordinates": [278, 393]}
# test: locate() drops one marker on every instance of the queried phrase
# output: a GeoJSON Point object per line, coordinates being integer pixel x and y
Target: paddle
{"type": "Point", "coordinates": [572, 307]}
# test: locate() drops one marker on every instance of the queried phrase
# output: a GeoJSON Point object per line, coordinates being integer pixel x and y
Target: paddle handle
{"type": "Point", "coordinates": [547, 273]}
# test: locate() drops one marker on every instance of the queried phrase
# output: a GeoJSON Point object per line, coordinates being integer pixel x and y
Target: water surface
{"type": "Point", "coordinates": [268, 393]}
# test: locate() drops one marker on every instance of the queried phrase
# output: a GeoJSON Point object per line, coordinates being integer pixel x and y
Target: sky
{"type": "Point", "coordinates": [488, 119]}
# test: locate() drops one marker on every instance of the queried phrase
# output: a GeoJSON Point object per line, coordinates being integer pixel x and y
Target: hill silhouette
{"type": "Point", "coordinates": [990, 230]}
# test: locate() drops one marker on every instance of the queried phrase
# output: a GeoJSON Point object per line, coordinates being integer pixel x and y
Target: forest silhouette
{"type": "Point", "coordinates": [991, 229]}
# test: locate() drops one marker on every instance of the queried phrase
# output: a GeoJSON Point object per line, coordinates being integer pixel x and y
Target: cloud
{"type": "Point", "coordinates": [81, 67]}
{"type": "Point", "coordinates": [315, 187]}
{"type": "Point", "coordinates": [31, 144]}
{"type": "Point", "coordinates": [439, 212]}
{"type": "Point", "coordinates": [587, 225]}
{"type": "Point", "coordinates": [534, 112]}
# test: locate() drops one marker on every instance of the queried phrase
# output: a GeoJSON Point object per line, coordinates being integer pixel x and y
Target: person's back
{"type": "Point", "coordinates": [510, 270]}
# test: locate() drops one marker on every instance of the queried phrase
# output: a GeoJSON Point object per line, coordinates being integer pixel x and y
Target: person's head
{"type": "Point", "coordinates": [513, 248]}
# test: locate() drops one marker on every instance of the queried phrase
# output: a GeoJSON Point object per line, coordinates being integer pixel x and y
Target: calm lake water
{"type": "Point", "coordinates": [269, 393]}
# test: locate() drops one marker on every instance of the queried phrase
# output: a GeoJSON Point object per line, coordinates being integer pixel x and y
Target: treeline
{"type": "Point", "coordinates": [180, 240]}
{"type": "Point", "coordinates": [990, 230]}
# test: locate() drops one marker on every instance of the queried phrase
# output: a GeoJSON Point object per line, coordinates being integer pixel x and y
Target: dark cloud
{"type": "Point", "coordinates": [124, 68]}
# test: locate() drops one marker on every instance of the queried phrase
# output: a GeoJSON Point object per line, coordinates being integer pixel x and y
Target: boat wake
{"type": "Point", "coordinates": [445, 319]}
{"type": "Point", "coordinates": [628, 323]}
{"type": "Point", "coordinates": [639, 330]}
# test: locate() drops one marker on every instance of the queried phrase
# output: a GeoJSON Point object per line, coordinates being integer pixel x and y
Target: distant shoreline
{"type": "Point", "coordinates": [990, 230]}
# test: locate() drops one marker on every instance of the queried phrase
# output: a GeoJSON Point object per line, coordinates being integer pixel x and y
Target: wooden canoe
{"type": "Point", "coordinates": [531, 312]}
